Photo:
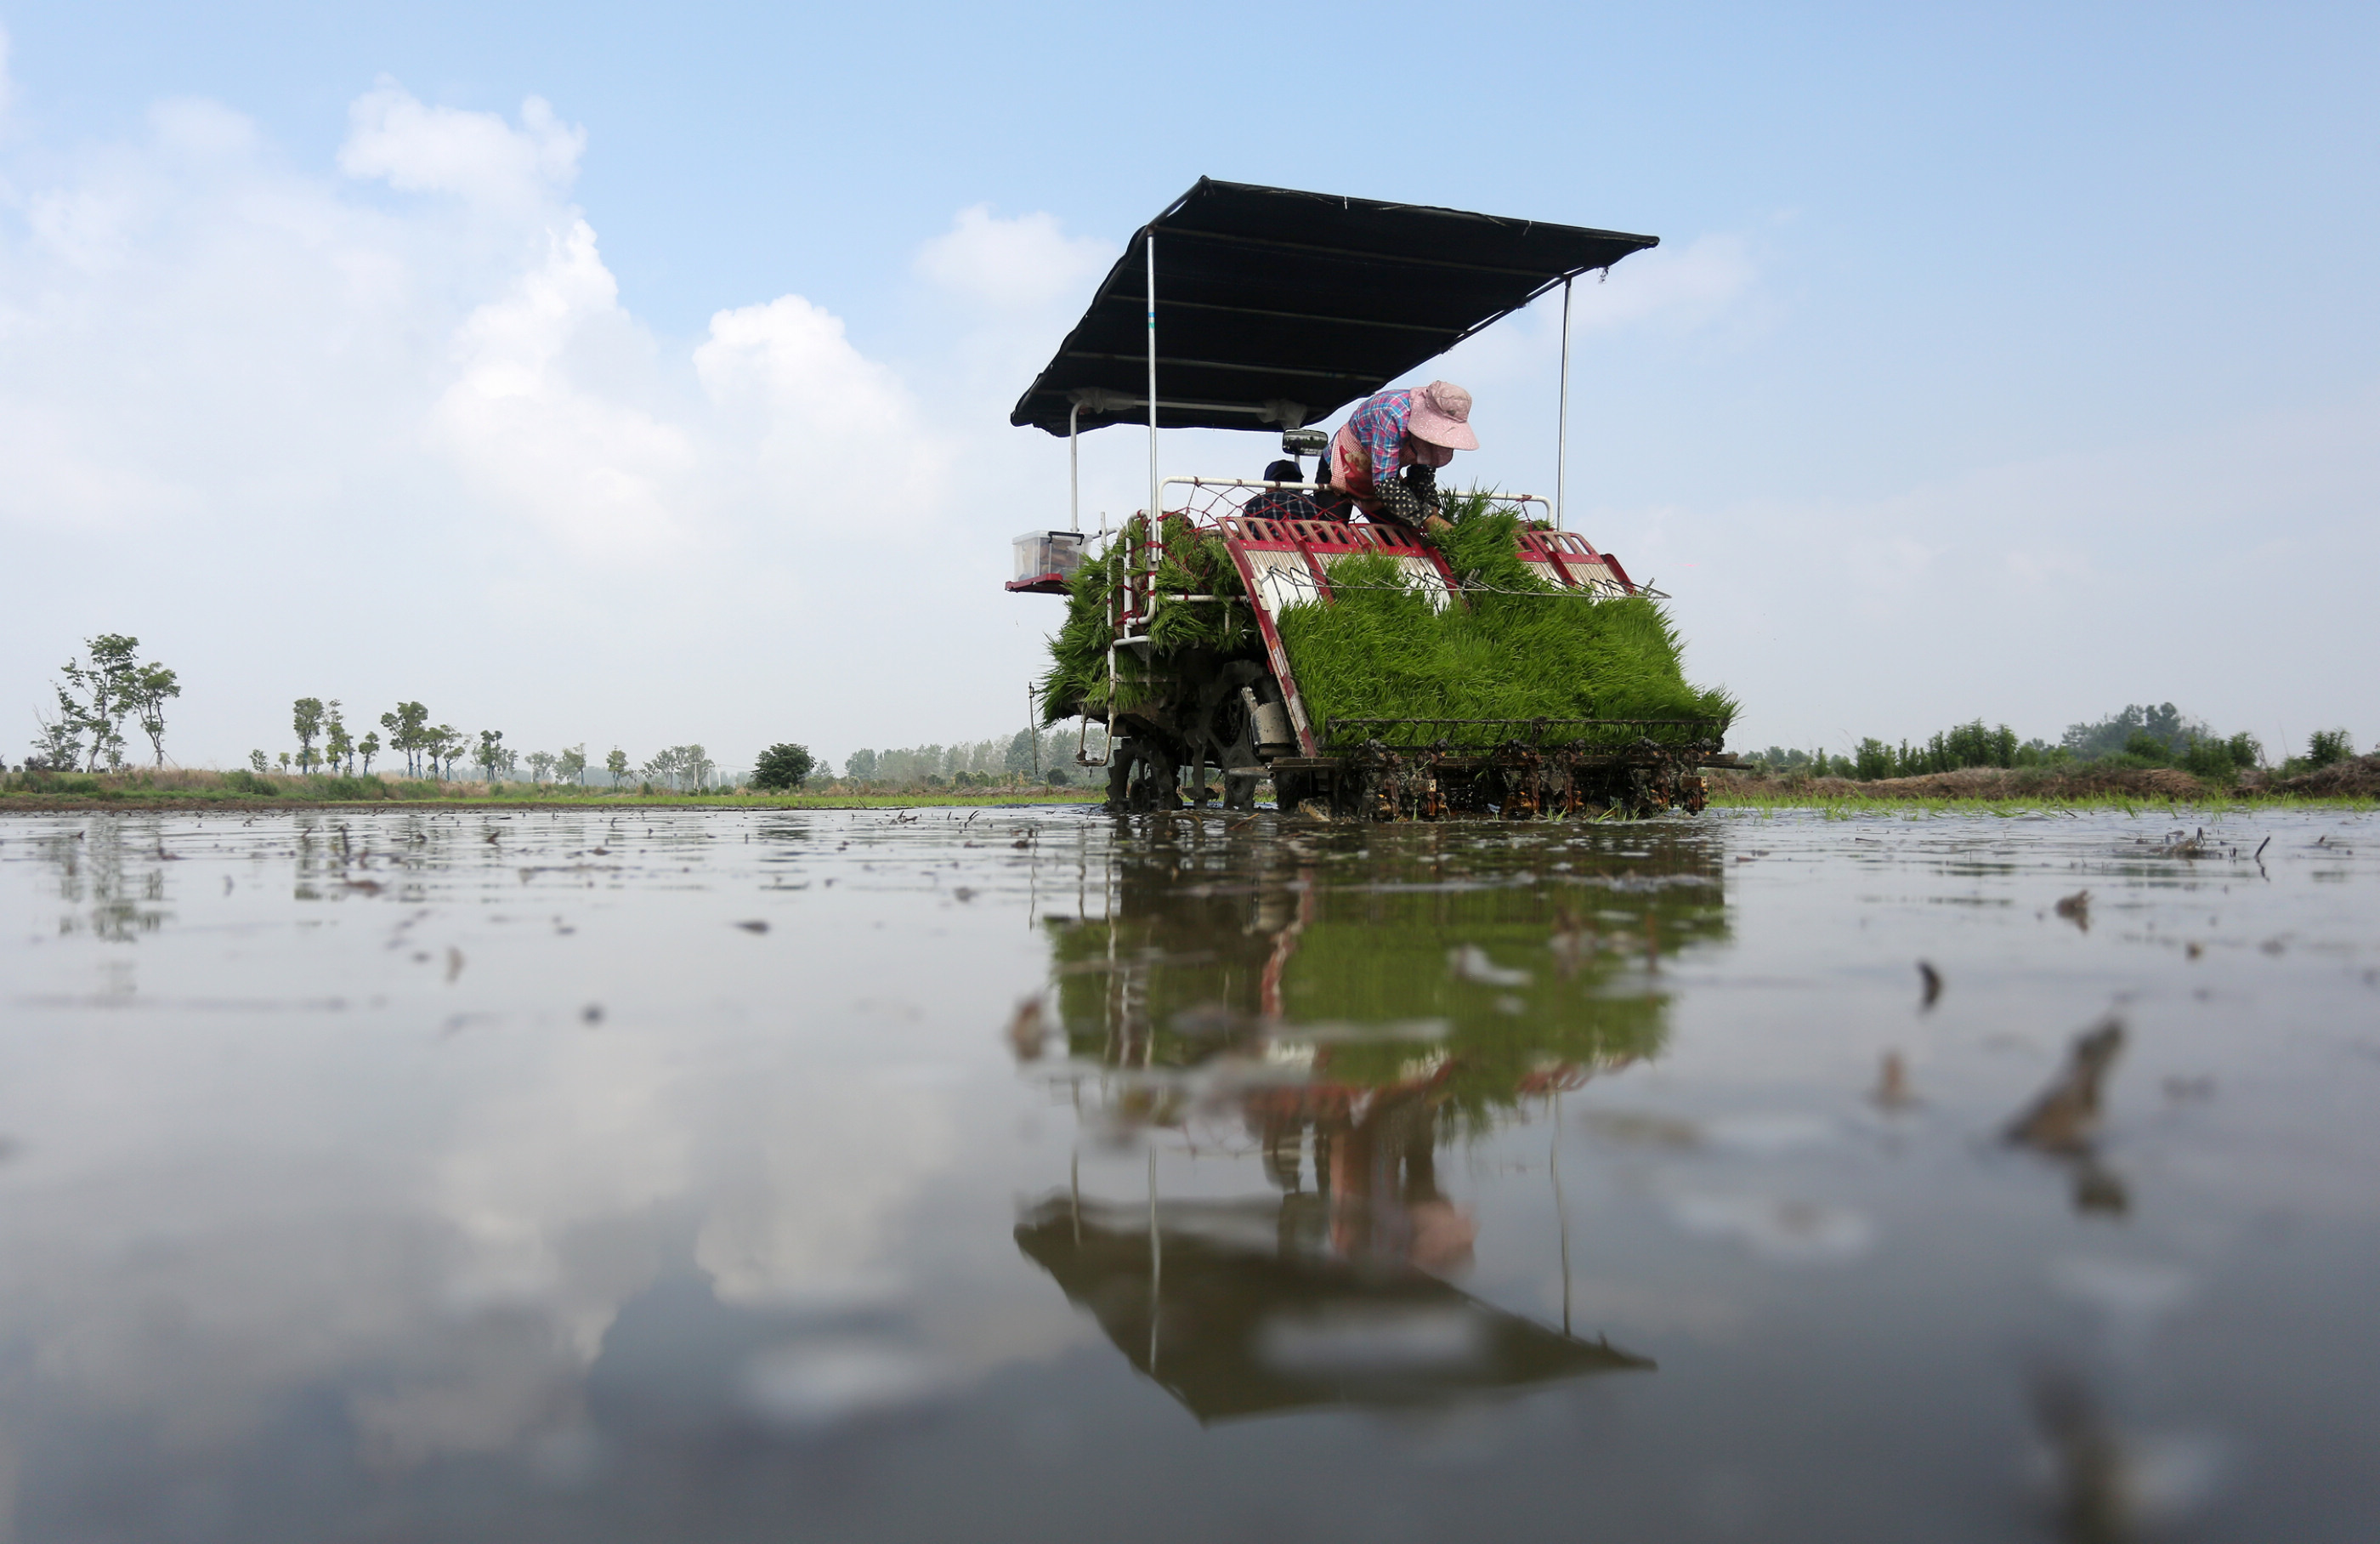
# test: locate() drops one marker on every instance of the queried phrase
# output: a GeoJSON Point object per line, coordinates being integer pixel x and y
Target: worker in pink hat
{"type": "Point", "coordinates": [1385, 459]}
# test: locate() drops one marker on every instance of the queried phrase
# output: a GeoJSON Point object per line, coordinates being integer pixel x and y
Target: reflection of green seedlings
{"type": "Point", "coordinates": [1522, 648]}
{"type": "Point", "coordinates": [1379, 969]}
{"type": "Point", "coordinates": [1188, 975]}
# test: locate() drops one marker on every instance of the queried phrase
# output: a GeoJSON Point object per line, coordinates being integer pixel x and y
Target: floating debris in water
{"type": "Point", "coordinates": [2064, 1121]}
{"type": "Point", "coordinates": [2076, 908]}
{"type": "Point", "coordinates": [1892, 1085]}
{"type": "Point", "coordinates": [2065, 1117]}
{"type": "Point", "coordinates": [1026, 1033]}
{"type": "Point", "coordinates": [1932, 980]}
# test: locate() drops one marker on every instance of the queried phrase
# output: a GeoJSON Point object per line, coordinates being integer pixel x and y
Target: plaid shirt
{"type": "Point", "coordinates": [1379, 427]}
{"type": "Point", "coordinates": [1282, 504]}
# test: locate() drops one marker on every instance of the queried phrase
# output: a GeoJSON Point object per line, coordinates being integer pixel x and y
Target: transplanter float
{"type": "Point", "coordinates": [1495, 663]}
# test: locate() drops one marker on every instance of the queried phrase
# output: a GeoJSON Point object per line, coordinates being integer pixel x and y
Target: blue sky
{"type": "Point", "coordinates": [2018, 363]}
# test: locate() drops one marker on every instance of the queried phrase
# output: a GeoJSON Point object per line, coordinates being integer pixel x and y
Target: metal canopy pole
{"type": "Point", "coordinates": [1074, 469]}
{"type": "Point", "coordinates": [1561, 435]}
{"type": "Point", "coordinates": [1152, 379]}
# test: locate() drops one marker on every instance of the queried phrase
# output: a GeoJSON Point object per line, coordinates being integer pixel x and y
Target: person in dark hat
{"type": "Point", "coordinates": [1282, 504]}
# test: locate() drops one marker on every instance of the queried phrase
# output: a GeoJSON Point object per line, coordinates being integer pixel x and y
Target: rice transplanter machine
{"type": "Point", "coordinates": [1243, 307]}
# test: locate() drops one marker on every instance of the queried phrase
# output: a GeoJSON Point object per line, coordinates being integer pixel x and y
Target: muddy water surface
{"type": "Point", "coordinates": [1038, 1175]}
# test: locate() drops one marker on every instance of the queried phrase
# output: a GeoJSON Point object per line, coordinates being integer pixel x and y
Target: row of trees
{"type": "Point", "coordinates": [2140, 735]}
{"type": "Point", "coordinates": [106, 688]}
{"type": "Point", "coordinates": [1026, 753]}
{"type": "Point", "coordinates": [324, 744]}
{"type": "Point", "coordinates": [436, 750]}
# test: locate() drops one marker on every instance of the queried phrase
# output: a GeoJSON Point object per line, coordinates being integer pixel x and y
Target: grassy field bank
{"type": "Point", "coordinates": [2355, 782]}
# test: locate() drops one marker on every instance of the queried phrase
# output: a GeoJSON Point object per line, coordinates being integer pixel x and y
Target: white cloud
{"type": "Point", "coordinates": [1683, 287]}
{"type": "Point", "coordinates": [1024, 263]}
{"type": "Point", "coordinates": [827, 425]}
{"type": "Point", "coordinates": [444, 149]}
{"type": "Point", "coordinates": [241, 403]}
{"type": "Point", "coordinates": [535, 441]}
{"type": "Point", "coordinates": [194, 131]}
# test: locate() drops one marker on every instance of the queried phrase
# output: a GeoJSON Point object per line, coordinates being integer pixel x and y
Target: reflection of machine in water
{"type": "Point", "coordinates": [1339, 1026]}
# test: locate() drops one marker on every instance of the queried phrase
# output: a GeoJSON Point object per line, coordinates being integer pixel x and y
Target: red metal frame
{"type": "Point", "coordinates": [1571, 559]}
{"type": "Point", "coordinates": [1241, 536]}
{"type": "Point", "coordinates": [1317, 543]}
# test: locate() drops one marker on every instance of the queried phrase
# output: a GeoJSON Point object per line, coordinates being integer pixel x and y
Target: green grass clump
{"type": "Point", "coordinates": [1077, 679]}
{"type": "Point", "coordinates": [1522, 648]}
{"type": "Point", "coordinates": [1190, 563]}
{"type": "Point", "coordinates": [1198, 564]}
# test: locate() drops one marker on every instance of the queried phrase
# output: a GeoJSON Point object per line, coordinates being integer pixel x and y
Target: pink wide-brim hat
{"type": "Point", "coordinates": [1441, 414]}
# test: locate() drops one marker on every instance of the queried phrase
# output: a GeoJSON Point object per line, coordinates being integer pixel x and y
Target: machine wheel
{"type": "Point", "coordinates": [1142, 778]}
{"type": "Point", "coordinates": [1227, 733]}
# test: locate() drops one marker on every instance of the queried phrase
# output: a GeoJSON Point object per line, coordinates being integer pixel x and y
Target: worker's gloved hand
{"type": "Point", "coordinates": [1398, 504]}
{"type": "Point", "coordinates": [1422, 482]}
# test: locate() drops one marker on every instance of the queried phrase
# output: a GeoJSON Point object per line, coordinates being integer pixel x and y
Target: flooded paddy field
{"type": "Point", "coordinates": [1036, 1174]}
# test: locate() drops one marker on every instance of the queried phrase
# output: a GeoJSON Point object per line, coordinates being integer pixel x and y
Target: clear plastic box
{"type": "Point", "coordinates": [1041, 553]}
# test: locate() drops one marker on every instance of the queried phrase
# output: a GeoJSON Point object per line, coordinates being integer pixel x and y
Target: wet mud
{"type": "Point", "coordinates": [1043, 1174]}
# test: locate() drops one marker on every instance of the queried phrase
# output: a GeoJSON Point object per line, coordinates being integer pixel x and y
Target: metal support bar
{"type": "Point", "coordinates": [1561, 435]}
{"type": "Point", "coordinates": [1075, 467]}
{"type": "Point", "coordinates": [1153, 511]}
{"type": "Point", "coordinates": [1253, 482]}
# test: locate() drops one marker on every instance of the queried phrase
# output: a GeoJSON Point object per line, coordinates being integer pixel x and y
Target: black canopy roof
{"type": "Point", "coordinates": [1273, 304]}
